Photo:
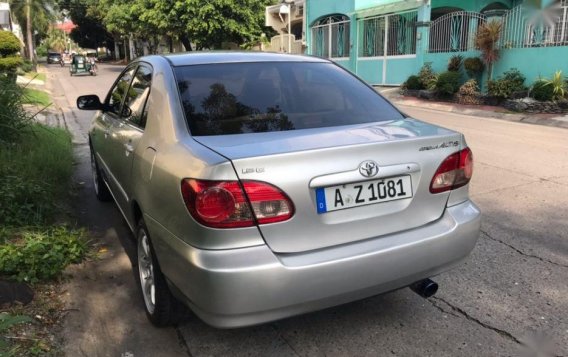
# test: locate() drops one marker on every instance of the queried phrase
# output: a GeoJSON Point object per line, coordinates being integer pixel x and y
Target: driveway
{"type": "Point", "coordinates": [510, 296]}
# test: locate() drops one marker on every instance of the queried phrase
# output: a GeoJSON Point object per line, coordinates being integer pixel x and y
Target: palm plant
{"type": "Point", "coordinates": [34, 15]}
{"type": "Point", "coordinates": [486, 40]}
{"type": "Point", "coordinates": [56, 40]}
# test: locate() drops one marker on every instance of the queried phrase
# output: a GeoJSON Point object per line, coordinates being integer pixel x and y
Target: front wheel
{"type": "Point", "coordinates": [161, 306]}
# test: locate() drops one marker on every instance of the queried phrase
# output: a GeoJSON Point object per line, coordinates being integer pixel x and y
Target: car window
{"type": "Point", "coordinates": [134, 108]}
{"type": "Point", "coordinates": [117, 93]}
{"type": "Point", "coordinates": [234, 98]}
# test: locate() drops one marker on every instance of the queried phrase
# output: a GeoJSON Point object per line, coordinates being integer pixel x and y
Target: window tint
{"type": "Point", "coordinates": [117, 93]}
{"type": "Point", "coordinates": [235, 98]}
{"type": "Point", "coordinates": [134, 107]}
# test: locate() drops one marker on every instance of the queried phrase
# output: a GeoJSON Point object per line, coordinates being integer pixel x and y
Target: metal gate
{"type": "Point", "coordinates": [387, 38]}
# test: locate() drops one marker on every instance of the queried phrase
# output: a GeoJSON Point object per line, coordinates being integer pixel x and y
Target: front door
{"type": "Point", "coordinates": [128, 133]}
{"type": "Point", "coordinates": [106, 127]}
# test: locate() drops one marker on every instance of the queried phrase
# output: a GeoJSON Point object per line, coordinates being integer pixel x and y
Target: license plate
{"type": "Point", "coordinates": [350, 195]}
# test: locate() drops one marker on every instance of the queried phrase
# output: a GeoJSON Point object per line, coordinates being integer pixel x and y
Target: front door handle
{"type": "Point", "coordinates": [129, 148]}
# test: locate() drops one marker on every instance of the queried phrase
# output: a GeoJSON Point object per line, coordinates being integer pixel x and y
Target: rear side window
{"type": "Point", "coordinates": [234, 98]}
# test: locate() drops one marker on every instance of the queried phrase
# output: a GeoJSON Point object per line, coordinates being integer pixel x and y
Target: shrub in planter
{"type": "Point", "coordinates": [9, 58]}
{"type": "Point", "coordinates": [503, 87]}
{"type": "Point", "coordinates": [516, 79]}
{"type": "Point", "coordinates": [473, 67]}
{"type": "Point", "coordinates": [413, 83]}
{"type": "Point", "coordinates": [9, 44]}
{"type": "Point", "coordinates": [542, 91]}
{"type": "Point", "coordinates": [448, 83]}
{"type": "Point", "coordinates": [455, 63]}
{"type": "Point", "coordinates": [469, 93]}
{"type": "Point", "coordinates": [427, 76]}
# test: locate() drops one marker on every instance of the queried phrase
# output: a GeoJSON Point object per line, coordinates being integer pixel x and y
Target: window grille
{"type": "Point", "coordinates": [390, 35]}
{"type": "Point", "coordinates": [330, 37]}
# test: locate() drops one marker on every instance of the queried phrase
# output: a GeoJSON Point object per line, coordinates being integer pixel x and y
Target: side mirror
{"type": "Point", "coordinates": [89, 102]}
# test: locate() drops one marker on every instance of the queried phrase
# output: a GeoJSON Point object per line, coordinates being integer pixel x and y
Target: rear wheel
{"type": "Point", "coordinates": [161, 306]}
{"type": "Point", "coordinates": [101, 190]}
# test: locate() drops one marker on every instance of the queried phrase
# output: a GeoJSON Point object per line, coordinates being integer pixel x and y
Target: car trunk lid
{"type": "Point", "coordinates": [306, 164]}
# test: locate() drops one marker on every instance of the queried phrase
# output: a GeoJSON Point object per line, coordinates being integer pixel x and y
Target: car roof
{"type": "Point", "coordinates": [195, 58]}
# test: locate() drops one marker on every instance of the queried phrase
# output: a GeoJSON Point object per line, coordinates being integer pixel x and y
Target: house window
{"type": "Point", "coordinates": [330, 37]}
{"type": "Point", "coordinates": [388, 35]}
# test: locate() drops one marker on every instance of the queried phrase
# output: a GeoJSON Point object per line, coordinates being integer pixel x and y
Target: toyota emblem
{"type": "Point", "coordinates": [368, 168]}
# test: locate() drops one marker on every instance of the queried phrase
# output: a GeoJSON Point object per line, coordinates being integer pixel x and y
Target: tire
{"type": "Point", "coordinates": [101, 190]}
{"type": "Point", "coordinates": [162, 308]}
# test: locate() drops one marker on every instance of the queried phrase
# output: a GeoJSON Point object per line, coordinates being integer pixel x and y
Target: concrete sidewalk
{"type": "Point", "coordinates": [485, 111]}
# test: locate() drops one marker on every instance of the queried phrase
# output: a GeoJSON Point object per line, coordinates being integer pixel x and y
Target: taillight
{"type": "Point", "coordinates": [454, 172]}
{"type": "Point", "coordinates": [223, 204]}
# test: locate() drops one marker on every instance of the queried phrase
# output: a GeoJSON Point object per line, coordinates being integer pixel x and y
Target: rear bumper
{"type": "Point", "coordinates": [241, 287]}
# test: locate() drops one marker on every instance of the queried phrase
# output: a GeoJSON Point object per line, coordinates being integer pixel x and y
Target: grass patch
{"type": "Point", "coordinates": [34, 174]}
{"type": "Point", "coordinates": [36, 163]}
{"type": "Point", "coordinates": [34, 255]}
{"type": "Point", "coordinates": [34, 96]}
{"type": "Point", "coordinates": [35, 75]}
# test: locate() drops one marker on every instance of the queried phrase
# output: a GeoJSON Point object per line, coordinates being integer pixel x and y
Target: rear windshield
{"type": "Point", "coordinates": [234, 98]}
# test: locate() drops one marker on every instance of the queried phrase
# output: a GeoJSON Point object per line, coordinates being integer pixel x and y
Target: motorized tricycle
{"type": "Point", "coordinates": [80, 64]}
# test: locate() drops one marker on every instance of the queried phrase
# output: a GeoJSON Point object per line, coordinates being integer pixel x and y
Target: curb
{"type": "Point", "coordinates": [552, 120]}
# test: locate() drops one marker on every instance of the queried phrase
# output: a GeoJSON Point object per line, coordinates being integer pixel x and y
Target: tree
{"type": "Point", "coordinates": [163, 15]}
{"type": "Point", "coordinates": [205, 23]}
{"type": "Point", "coordinates": [211, 22]}
{"type": "Point", "coordinates": [34, 16]}
{"type": "Point", "coordinates": [87, 16]}
{"type": "Point", "coordinates": [56, 40]}
{"type": "Point", "coordinates": [486, 40]}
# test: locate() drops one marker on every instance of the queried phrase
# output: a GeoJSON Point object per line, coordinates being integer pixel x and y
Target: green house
{"type": "Point", "coordinates": [385, 41]}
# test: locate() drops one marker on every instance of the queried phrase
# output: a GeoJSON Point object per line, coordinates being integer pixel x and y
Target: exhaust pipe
{"type": "Point", "coordinates": [425, 288]}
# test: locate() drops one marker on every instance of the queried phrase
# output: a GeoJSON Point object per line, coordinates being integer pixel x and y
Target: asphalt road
{"type": "Point", "coordinates": [508, 299]}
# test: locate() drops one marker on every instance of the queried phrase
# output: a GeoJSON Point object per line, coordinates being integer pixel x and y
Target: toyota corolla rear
{"type": "Point", "coordinates": [329, 192]}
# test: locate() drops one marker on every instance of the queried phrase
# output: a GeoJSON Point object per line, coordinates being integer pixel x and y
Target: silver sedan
{"type": "Point", "coordinates": [261, 186]}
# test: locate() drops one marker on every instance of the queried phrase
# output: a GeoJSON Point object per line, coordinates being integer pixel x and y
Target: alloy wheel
{"type": "Point", "coordinates": [146, 271]}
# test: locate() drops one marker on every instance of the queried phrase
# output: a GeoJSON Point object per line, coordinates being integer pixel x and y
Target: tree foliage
{"type": "Point", "coordinates": [9, 44]}
{"type": "Point", "coordinates": [211, 22]}
{"type": "Point", "coordinates": [87, 15]}
{"type": "Point", "coordinates": [41, 14]}
{"type": "Point", "coordinates": [56, 40]}
{"type": "Point", "coordinates": [204, 23]}
{"type": "Point", "coordinates": [9, 48]}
